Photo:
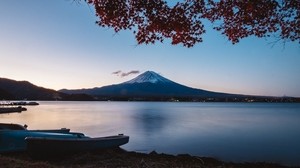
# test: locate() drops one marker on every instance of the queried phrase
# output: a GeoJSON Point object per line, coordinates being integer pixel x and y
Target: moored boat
{"type": "Point", "coordinates": [18, 109]}
{"type": "Point", "coordinates": [12, 136]}
{"type": "Point", "coordinates": [41, 146]}
{"type": "Point", "coordinates": [24, 103]}
{"type": "Point", "coordinates": [14, 141]}
{"type": "Point", "coordinates": [11, 126]}
{"type": "Point", "coordinates": [17, 138]}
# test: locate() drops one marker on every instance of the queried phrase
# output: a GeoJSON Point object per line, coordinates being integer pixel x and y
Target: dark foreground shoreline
{"type": "Point", "coordinates": [113, 158]}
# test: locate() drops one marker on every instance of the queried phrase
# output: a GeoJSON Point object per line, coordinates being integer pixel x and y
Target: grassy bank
{"type": "Point", "coordinates": [119, 158]}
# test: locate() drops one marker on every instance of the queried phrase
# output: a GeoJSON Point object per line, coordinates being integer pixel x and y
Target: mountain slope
{"type": "Point", "coordinates": [149, 77]}
{"type": "Point", "coordinates": [20, 90]}
{"type": "Point", "coordinates": [149, 84]}
{"type": "Point", "coordinates": [4, 95]}
{"type": "Point", "coordinates": [26, 90]}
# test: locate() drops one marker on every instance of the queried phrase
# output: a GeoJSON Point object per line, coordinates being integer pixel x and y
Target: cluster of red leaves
{"type": "Point", "coordinates": [155, 20]}
{"type": "Point", "coordinates": [241, 18]}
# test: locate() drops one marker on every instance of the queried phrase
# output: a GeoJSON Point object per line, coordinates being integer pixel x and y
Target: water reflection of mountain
{"type": "Point", "coordinates": [150, 120]}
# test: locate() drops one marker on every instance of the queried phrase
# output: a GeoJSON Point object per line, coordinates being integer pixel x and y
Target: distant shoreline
{"type": "Point", "coordinates": [4, 110]}
{"type": "Point", "coordinates": [126, 99]}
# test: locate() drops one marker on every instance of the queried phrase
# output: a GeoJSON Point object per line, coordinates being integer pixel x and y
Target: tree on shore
{"type": "Point", "coordinates": [156, 20]}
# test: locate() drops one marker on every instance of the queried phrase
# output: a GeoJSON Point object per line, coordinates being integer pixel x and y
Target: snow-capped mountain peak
{"type": "Point", "coordinates": [148, 76]}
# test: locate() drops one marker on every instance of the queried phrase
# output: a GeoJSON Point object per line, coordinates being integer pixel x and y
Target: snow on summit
{"type": "Point", "coordinates": [148, 76]}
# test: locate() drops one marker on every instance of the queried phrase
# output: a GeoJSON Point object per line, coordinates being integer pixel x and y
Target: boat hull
{"type": "Point", "coordinates": [38, 146]}
{"type": "Point", "coordinates": [14, 127]}
{"type": "Point", "coordinates": [14, 140]}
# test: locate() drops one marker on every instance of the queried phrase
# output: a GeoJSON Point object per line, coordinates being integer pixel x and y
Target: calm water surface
{"type": "Point", "coordinates": [228, 131]}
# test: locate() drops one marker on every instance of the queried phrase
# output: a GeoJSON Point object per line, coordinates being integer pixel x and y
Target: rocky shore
{"type": "Point", "coordinates": [113, 158]}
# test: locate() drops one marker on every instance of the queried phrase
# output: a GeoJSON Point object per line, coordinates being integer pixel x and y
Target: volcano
{"type": "Point", "coordinates": [150, 85]}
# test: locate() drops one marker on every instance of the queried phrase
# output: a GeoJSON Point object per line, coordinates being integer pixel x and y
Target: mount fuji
{"type": "Point", "coordinates": [149, 86]}
{"type": "Point", "coordinates": [149, 77]}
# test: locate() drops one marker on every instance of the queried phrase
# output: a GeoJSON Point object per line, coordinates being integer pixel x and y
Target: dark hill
{"type": "Point", "coordinates": [4, 95]}
{"type": "Point", "coordinates": [20, 90]}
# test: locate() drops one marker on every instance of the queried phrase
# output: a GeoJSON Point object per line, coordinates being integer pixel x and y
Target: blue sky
{"type": "Point", "coordinates": [56, 44]}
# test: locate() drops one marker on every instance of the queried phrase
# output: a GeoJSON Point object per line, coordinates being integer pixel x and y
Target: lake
{"type": "Point", "coordinates": [228, 131]}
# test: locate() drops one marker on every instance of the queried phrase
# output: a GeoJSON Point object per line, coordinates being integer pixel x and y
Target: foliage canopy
{"type": "Point", "coordinates": [156, 20]}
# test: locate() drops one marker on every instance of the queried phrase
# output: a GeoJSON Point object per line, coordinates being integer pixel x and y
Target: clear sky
{"type": "Point", "coordinates": [56, 44]}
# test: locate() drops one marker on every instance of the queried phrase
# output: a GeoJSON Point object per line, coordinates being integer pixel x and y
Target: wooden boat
{"type": "Point", "coordinates": [41, 146]}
